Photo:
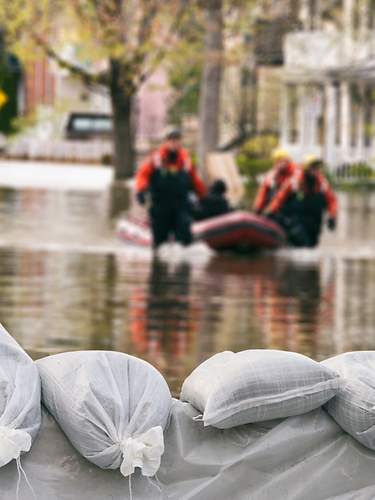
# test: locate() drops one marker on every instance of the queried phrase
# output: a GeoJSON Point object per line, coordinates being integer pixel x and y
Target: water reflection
{"type": "Point", "coordinates": [354, 312]}
{"type": "Point", "coordinates": [278, 303]}
{"type": "Point", "coordinates": [357, 217]}
{"type": "Point", "coordinates": [55, 301]}
{"type": "Point", "coordinates": [163, 318]}
{"type": "Point", "coordinates": [38, 215]}
{"type": "Point", "coordinates": [176, 314]}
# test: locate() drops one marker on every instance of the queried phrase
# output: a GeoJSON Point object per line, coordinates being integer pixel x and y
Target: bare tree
{"type": "Point", "coordinates": [133, 36]}
{"type": "Point", "coordinates": [211, 78]}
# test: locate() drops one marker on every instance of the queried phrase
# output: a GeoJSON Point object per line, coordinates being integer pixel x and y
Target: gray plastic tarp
{"type": "Point", "coordinates": [306, 457]}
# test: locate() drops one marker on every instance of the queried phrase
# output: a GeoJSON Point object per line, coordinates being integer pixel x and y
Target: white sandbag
{"type": "Point", "coordinates": [353, 408]}
{"type": "Point", "coordinates": [20, 410]}
{"type": "Point", "coordinates": [113, 407]}
{"type": "Point", "coordinates": [231, 389]}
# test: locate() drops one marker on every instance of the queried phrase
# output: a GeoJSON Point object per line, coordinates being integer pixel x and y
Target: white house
{"type": "Point", "coordinates": [328, 96]}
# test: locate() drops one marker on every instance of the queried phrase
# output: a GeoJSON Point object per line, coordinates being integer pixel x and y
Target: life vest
{"type": "Point", "coordinates": [273, 182]}
{"type": "Point", "coordinates": [170, 185]}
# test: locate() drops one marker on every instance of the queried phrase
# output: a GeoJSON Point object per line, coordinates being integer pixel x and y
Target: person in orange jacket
{"type": "Point", "coordinates": [274, 180]}
{"type": "Point", "coordinates": [169, 177]}
{"type": "Point", "coordinates": [300, 205]}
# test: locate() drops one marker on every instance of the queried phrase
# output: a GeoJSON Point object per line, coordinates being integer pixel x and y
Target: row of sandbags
{"type": "Point", "coordinates": [114, 408]}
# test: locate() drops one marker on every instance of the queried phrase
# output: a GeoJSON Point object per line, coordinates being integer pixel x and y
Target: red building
{"type": "Point", "coordinates": [39, 85]}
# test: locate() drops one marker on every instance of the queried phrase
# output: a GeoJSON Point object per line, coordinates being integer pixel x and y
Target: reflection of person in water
{"type": "Point", "coordinates": [290, 307]}
{"type": "Point", "coordinates": [283, 299]}
{"type": "Point", "coordinates": [163, 319]}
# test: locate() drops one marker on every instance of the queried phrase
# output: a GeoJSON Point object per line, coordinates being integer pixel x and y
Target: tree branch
{"type": "Point", "coordinates": [146, 23]}
{"type": "Point", "coordinates": [75, 69]}
{"type": "Point", "coordinates": [162, 51]}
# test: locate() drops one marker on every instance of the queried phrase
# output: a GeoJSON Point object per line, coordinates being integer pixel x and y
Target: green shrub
{"type": "Point", "coordinates": [260, 146]}
{"type": "Point", "coordinates": [252, 167]}
{"type": "Point", "coordinates": [352, 176]}
{"type": "Point", "coordinates": [362, 170]}
{"type": "Point", "coordinates": [254, 156]}
{"type": "Point", "coordinates": [359, 170]}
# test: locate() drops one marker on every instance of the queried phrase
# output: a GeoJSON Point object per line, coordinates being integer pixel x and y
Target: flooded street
{"type": "Point", "coordinates": [67, 283]}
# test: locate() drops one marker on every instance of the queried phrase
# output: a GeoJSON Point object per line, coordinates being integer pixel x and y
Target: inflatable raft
{"type": "Point", "coordinates": [236, 231]}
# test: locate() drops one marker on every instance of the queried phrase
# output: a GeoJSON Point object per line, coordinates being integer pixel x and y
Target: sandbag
{"type": "Point", "coordinates": [20, 410]}
{"type": "Point", "coordinates": [232, 389]}
{"type": "Point", "coordinates": [113, 407]}
{"type": "Point", "coordinates": [353, 408]}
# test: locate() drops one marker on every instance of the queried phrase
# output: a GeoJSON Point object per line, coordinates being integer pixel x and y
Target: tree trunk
{"type": "Point", "coordinates": [209, 99]}
{"type": "Point", "coordinates": [122, 98]}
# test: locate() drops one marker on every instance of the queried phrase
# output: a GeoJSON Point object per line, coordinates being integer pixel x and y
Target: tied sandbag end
{"type": "Point", "coordinates": [143, 451]}
{"type": "Point", "coordinates": [12, 443]}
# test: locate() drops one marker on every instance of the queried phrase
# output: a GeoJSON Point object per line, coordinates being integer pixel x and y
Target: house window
{"type": "Point", "coordinates": [356, 17]}
{"type": "Point", "coordinates": [363, 17]}
{"type": "Point", "coordinates": [313, 13]}
{"type": "Point", "coordinates": [332, 14]}
{"type": "Point", "coordinates": [371, 15]}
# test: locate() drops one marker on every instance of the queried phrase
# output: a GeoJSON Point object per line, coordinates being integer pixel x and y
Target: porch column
{"type": "Point", "coordinates": [285, 115]}
{"type": "Point", "coordinates": [372, 124]}
{"type": "Point", "coordinates": [364, 13]}
{"type": "Point", "coordinates": [302, 128]}
{"type": "Point", "coordinates": [330, 119]}
{"type": "Point", "coordinates": [310, 99]}
{"type": "Point", "coordinates": [345, 120]}
{"type": "Point", "coordinates": [360, 139]}
{"type": "Point", "coordinates": [315, 104]}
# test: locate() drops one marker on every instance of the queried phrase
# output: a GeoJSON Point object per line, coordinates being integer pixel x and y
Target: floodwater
{"type": "Point", "coordinates": [66, 283]}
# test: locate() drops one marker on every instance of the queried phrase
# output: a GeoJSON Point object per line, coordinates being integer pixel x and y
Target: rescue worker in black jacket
{"type": "Point", "coordinates": [301, 204]}
{"type": "Point", "coordinates": [170, 177]}
{"type": "Point", "coordinates": [214, 203]}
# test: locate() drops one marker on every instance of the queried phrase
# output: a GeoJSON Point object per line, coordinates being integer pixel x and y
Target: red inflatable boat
{"type": "Point", "coordinates": [236, 231]}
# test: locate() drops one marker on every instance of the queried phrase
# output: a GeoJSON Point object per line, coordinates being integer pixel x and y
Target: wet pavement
{"type": "Point", "coordinates": [67, 283]}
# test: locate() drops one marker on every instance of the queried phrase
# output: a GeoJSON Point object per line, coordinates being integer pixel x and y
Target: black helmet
{"type": "Point", "coordinates": [172, 132]}
{"type": "Point", "coordinates": [218, 187]}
